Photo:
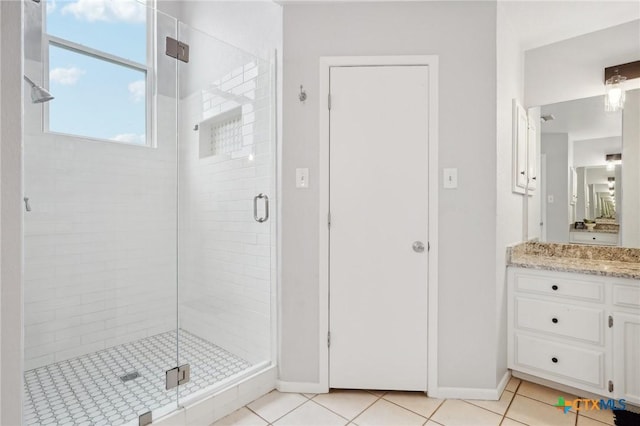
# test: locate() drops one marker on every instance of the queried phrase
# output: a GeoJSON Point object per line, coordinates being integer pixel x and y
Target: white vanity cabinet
{"type": "Point", "coordinates": [626, 341]}
{"type": "Point", "coordinates": [600, 238]}
{"type": "Point", "coordinates": [567, 328]}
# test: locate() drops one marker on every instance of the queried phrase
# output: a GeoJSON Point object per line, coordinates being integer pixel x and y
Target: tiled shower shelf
{"type": "Point", "coordinates": [88, 390]}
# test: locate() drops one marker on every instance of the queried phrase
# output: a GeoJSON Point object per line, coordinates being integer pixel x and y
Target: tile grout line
{"type": "Point", "coordinates": [290, 411]}
{"type": "Point", "coordinates": [330, 410]}
{"type": "Point", "coordinates": [515, 393]}
{"type": "Point", "coordinates": [359, 413]}
{"type": "Point", "coordinates": [248, 408]}
{"type": "Point", "coordinates": [378, 398]}
{"type": "Point", "coordinates": [436, 410]}
{"type": "Point", "coordinates": [485, 409]}
{"type": "Point", "coordinates": [408, 409]}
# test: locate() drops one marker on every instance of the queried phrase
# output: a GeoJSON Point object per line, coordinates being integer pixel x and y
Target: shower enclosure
{"type": "Point", "coordinates": [149, 223]}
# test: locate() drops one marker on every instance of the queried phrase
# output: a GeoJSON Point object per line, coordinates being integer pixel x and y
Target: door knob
{"type": "Point", "coordinates": [418, 246]}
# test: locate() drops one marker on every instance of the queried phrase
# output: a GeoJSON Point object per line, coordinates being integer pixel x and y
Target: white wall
{"type": "Point", "coordinates": [556, 146]}
{"type": "Point", "coordinates": [463, 35]}
{"type": "Point", "coordinates": [574, 68]}
{"type": "Point", "coordinates": [630, 226]}
{"type": "Point", "coordinates": [253, 26]}
{"type": "Point", "coordinates": [10, 213]}
{"type": "Point", "coordinates": [509, 206]}
{"type": "Point", "coordinates": [592, 152]}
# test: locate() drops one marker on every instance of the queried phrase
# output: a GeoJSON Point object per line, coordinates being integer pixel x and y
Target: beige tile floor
{"type": "Point", "coordinates": [522, 403]}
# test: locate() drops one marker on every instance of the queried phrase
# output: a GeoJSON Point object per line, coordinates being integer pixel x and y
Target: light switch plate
{"type": "Point", "coordinates": [450, 178]}
{"type": "Point", "coordinates": [302, 178]}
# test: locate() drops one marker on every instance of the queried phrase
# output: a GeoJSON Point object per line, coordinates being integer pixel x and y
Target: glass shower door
{"type": "Point", "coordinates": [226, 211]}
{"type": "Point", "coordinates": [100, 233]}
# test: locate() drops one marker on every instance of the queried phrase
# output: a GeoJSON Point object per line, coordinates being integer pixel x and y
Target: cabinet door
{"type": "Point", "coordinates": [532, 154]}
{"type": "Point", "coordinates": [626, 356]}
{"type": "Point", "coordinates": [519, 147]}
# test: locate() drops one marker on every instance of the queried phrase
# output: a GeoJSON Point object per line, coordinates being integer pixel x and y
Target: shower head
{"type": "Point", "coordinates": [38, 94]}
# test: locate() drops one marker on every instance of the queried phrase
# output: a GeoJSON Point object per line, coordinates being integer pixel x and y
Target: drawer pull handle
{"type": "Point", "coordinates": [554, 360]}
{"type": "Point", "coordinates": [554, 287]}
{"type": "Point", "coordinates": [554, 320]}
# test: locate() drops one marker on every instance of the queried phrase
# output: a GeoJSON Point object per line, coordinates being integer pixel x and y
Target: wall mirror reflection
{"type": "Point", "coordinates": [589, 177]}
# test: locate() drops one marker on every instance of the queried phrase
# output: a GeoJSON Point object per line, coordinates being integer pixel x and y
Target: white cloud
{"type": "Point", "coordinates": [66, 76]}
{"type": "Point", "coordinates": [106, 10]}
{"type": "Point", "coordinates": [137, 90]}
{"type": "Point", "coordinates": [130, 138]}
{"type": "Point", "coordinates": [51, 6]}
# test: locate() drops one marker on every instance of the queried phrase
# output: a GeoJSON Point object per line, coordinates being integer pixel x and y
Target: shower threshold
{"type": "Point", "coordinates": [90, 390]}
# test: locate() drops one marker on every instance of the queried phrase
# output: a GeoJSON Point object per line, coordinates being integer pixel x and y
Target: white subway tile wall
{"type": "Point", "coordinates": [100, 267]}
{"type": "Point", "coordinates": [225, 255]}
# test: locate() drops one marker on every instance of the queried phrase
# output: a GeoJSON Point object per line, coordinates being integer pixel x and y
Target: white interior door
{"type": "Point", "coordinates": [379, 209]}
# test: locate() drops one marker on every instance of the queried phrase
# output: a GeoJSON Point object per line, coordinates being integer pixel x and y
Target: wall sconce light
{"type": "Point", "coordinates": [613, 160]}
{"type": "Point", "coordinates": [614, 97]}
{"type": "Point", "coordinates": [614, 78]}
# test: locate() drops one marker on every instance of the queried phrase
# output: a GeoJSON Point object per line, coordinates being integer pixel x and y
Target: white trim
{"type": "Point", "coordinates": [300, 387]}
{"type": "Point", "coordinates": [489, 394]}
{"type": "Point", "coordinates": [326, 62]}
{"type": "Point", "coordinates": [149, 70]}
{"type": "Point", "coordinates": [224, 402]}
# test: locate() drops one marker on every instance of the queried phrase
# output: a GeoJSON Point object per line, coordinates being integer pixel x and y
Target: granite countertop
{"type": "Point", "coordinates": [595, 260]}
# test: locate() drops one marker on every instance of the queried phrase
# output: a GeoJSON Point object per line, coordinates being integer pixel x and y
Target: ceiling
{"type": "Point", "coordinates": [544, 22]}
{"type": "Point", "coordinates": [582, 119]}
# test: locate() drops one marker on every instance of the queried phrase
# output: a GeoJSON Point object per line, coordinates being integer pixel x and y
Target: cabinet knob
{"type": "Point", "coordinates": [554, 360]}
{"type": "Point", "coordinates": [554, 287]}
{"type": "Point", "coordinates": [554, 320]}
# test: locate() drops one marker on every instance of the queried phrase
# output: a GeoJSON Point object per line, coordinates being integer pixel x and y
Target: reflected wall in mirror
{"type": "Point", "coordinates": [579, 185]}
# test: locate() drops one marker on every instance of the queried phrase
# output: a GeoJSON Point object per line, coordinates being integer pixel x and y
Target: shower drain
{"type": "Point", "coordinates": [130, 376]}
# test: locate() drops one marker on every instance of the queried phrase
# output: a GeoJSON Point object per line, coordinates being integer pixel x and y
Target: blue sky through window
{"type": "Point", "coordinates": [93, 97]}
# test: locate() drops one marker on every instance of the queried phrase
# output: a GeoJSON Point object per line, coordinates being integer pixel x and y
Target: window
{"type": "Point", "coordinates": [97, 62]}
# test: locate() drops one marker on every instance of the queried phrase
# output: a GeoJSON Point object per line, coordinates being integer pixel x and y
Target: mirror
{"type": "Point", "coordinates": [588, 172]}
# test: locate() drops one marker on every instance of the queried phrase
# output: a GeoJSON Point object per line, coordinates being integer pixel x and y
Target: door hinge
{"type": "Point", "coordinates": [328, 339]}
{"type": "Point", "coordinates": [329, 219]}
{"type": "Point", "coordinates": [145, 419]}
{"type": "Point", "coordinates": [610, 386]}
{"type": "Point", "coordinates": [329, 101]}
{"type": "Point", "coordinates": [610, 321]}
{"type": "Point", "coordinates": [428, 246]}
{"type": "Point", "coordinates": [177, 49]}
{"type": "Point", "coordinates": [178, 376]}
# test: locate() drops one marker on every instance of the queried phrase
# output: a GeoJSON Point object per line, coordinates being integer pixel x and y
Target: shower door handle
{"type": "Point", "coordinates": [266, 208]}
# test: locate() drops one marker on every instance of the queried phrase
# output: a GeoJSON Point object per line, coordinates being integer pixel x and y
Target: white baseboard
{"type": "Point", "coordinates": [301, 387]}
{"type": "Point", "coordinates": [220, 404]}
{"type": "Point", "coordinates": [490, 394]}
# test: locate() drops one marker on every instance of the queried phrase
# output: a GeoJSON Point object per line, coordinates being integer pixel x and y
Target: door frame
{"type": "Point", "coordinates": [326, 62]}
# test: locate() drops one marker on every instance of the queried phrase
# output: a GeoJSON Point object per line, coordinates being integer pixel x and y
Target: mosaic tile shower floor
{"type": "Point", "coordinates": [88, 390]}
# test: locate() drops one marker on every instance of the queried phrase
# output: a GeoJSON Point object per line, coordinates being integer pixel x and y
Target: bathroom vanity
{"type": "Point", "coordinates": [574, 317]}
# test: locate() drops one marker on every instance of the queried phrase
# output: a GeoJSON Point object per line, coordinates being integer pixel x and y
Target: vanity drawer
{"type": "Point", "coordinates": [582, 365]}
{"type": "Point", "coordinates": [560, 287]}
{"type": "Point", "coordinates": [627, 296]}
{"type": "Point", "coordinates": [594, 238]}
{"type": "Point", "coordinates": [560, 319]}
